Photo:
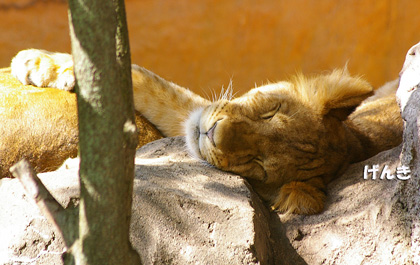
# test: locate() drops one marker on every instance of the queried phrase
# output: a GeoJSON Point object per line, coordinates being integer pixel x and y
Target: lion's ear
{"type": "Point", "coordinates": [337, 93]}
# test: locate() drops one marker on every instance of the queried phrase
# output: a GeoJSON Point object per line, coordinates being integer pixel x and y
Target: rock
{"type": "Point", "coordinates": [26, 235]}
{"type": "Point", "coordinates": [184, 212]}
{"type": "Point", "coordinates": [364, 222]}
{"type": "Point", "coordinates": [409, 97]}
{"type": "Point", "coordinates": [409, 192]}
{"type": "Point", "coordinates": [409, 76]}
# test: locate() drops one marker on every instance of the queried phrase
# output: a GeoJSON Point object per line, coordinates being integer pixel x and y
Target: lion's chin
{"type": "Point", "coordinates": [192, 133]}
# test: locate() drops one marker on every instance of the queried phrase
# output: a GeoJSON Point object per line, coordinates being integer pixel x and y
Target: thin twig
{"type": "Point", "coordinates": [50, 208]}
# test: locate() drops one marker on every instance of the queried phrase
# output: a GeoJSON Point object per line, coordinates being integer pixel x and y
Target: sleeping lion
{"type": "Point", "coordinates": [288, 139]}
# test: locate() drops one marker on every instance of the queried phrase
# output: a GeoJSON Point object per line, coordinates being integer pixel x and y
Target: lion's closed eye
{"type": "Point", "coordinates": [270, 114]}
{"type": "Point", "coordinates": [259, 162]}
{"type": "Point", "coordinates": [251, 166]}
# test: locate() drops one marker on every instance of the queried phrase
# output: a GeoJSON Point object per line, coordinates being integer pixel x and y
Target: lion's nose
{"type": "Point", "coordinates": [210, 133]}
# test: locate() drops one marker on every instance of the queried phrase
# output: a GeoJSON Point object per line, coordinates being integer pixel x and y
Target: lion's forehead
{"type": "Point", "coordinates": [279, 87]}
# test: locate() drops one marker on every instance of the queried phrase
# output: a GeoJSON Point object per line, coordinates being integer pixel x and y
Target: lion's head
{"type": "Point", "coordinates": [282, 134]}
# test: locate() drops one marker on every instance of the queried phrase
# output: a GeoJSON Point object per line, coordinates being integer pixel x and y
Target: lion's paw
{"type": "Point", "coordinates": [44, 69]}
{"type": "Point", "coordinates": [299, 198]}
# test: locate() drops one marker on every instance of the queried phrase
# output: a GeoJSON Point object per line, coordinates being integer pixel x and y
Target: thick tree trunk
{"type": "Point", "coordinates": [107, 131]}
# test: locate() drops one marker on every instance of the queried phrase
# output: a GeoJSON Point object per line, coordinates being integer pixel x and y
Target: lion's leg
{"type": "Point", "coordinates": [163, 103]}
{"type": "Point", "coordinates": [301, 197]}
{"type": "Point", "coordinates": [44, 69]}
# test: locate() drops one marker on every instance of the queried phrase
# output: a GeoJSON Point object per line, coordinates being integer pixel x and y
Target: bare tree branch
{"type": "Point", "coordinates": [50, 208]}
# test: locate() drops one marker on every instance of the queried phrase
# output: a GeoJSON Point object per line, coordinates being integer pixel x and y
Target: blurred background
{"type": "Point", "coordinates": [204, 44]}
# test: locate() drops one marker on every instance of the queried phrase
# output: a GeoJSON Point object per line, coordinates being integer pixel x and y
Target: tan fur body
{"type": "Point", "coordinates": [289, 139]}
{"type": "Point", "coordinates": [40, 124]}
{"type": "Point", "coordinates": [37, 123]}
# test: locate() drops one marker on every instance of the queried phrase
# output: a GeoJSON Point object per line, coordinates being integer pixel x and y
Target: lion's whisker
{"type": "Point", "coordinates": [205, 92]}
{"type": "Point", "coordinates": [227, 94]}
{"type": "Point", "coordinates": [297, 112]}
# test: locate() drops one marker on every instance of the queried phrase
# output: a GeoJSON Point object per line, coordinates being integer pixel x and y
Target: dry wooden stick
{"type": "Point", "coordinates": [50, 208]}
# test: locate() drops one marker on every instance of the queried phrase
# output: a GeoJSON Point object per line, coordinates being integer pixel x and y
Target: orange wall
{"type": "Point", "coordinates": [203, 44]}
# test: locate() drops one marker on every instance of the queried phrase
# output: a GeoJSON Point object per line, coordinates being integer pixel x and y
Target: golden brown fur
{"type": "Point", "coordinates": [41, 125]}
{"type": "Point", "coordinates": [37, 123]}
{"type": "Point", "coordinates": [289, 139]}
